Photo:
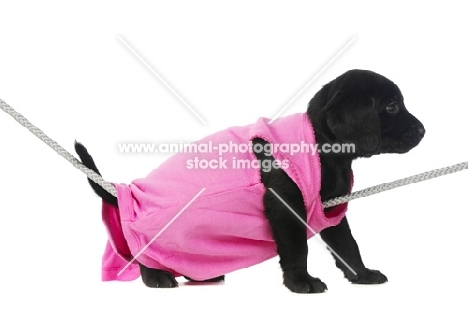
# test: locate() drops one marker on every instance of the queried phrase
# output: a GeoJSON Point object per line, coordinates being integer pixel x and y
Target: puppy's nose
{"type": "Point", "coordinates": [420, 129]}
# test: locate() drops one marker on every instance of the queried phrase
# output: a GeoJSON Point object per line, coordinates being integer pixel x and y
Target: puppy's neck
{"type": "Point", "coordinates": [325, 139]}
{"type": "Point", "coordinates": [336, 174]}
{"type": "Point", "coordinates": [335, 166]}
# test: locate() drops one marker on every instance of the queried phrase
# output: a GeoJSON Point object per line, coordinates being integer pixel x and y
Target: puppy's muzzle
{"type": "Point", "coordinates": [415, 134]}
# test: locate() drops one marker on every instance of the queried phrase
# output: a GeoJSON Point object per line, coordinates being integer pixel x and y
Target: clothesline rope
{"type": "Point", "coordinates": [59, 149]}
{"type": "Point", "coordinates": [339, 200]}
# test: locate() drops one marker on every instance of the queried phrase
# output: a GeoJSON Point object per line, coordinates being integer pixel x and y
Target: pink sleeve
{"type": "Point", "coordinates": [112, 264]}
{"type": "Point", "coordinates": [117, 253]}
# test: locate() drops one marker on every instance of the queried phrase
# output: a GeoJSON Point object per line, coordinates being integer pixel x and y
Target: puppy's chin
{"type": "Point", "coordinates": [398, 147]}
{"type": "Point", "coordinates": [367, 153]}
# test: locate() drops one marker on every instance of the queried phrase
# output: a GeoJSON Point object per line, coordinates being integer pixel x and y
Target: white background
{"type": "Point", "coordinates": [64, 68]}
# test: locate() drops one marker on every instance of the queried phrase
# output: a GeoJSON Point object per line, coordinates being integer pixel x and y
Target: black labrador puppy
{"type": "Point", "coordinates": [359, 107]}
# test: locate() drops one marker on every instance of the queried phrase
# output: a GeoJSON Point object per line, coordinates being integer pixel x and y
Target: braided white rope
{"type": "Point", "coordinates": [397, 183]}
{"type": "Point", "coordinates": [59, 149]}
{"type": "Point", "coordinates": [110, 188]}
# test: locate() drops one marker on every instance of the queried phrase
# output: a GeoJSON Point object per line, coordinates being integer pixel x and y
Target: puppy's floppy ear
{"type": "Point", "coordinates": [353, 119]}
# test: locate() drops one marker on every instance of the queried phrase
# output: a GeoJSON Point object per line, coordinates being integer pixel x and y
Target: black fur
{"type": "Point", "coordinates": [88, 161]}
{"type": "Point", "coordinates": [359, 107]}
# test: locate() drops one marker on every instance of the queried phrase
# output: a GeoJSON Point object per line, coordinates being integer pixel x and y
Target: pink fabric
{"type": "Point", "coordinates": [224, 229]}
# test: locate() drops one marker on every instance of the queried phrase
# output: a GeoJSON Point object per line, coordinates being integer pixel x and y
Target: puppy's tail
{"type": "Point", "coordinates": [88, 161]}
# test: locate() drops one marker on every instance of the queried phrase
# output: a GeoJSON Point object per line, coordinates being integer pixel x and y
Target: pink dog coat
{"type": "Point", "coordinates": [224, 228]}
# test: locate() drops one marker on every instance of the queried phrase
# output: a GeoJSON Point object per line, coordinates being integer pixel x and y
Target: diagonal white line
{"type": "Point", "coordinates": [313, 231]}
{"type": "Point", "coordinates": [160, 232]}
{"type": "Point", "coordinates": [162, 80]}
{"type": "Point", "coordinates": [313, 79]}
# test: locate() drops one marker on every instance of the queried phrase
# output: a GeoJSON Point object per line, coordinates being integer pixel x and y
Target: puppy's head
{"type": "Point", "coordinates": [366, 109]}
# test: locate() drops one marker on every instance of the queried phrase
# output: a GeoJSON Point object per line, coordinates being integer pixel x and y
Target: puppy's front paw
{"type": "Point", "coordinates": [304, 284]}
{"type": "Point", "coordinates": [368, 276]}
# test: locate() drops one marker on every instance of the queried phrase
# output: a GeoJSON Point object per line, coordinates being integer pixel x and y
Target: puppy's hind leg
{"type": "Point", "coordinates": [156, 278]}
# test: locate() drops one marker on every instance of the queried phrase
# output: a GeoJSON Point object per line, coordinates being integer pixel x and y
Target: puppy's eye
{"type": "Point", "coordinates": [392, 108]}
